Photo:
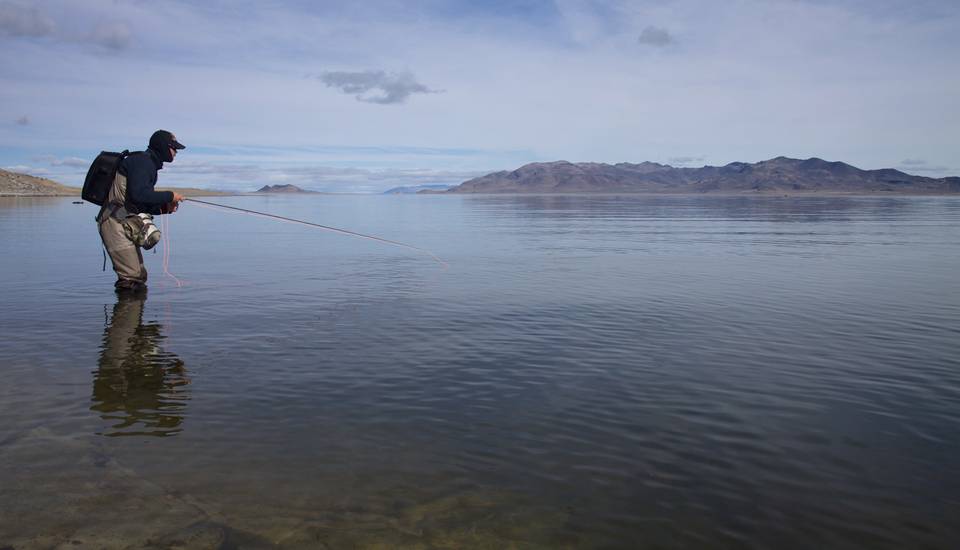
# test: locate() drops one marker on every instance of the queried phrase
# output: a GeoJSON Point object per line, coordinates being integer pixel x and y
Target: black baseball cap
{"type": "Point", "coordinates": [162, 139]}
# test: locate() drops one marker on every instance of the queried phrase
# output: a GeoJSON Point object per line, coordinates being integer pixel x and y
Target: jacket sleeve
{"type": "Point", "coordinates": [153, 209]}
{"type": "Point", "coordinates": [139, 188]}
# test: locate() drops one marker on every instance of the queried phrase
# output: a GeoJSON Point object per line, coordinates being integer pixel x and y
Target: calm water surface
{"type": "Point", "coordinates": [589, 372]}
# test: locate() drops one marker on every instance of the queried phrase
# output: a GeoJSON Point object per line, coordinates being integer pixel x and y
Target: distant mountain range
{"type": "Point", "coordinates": [410, 189]}
{"type": "Point", "coordinates": [778, 175]}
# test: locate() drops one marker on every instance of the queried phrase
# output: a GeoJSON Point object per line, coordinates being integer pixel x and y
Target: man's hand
{"type": "Point", "coordinates": [172, 207]}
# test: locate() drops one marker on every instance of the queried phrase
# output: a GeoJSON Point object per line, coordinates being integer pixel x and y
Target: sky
{"type": "Point", "coordinates": [361, 98]}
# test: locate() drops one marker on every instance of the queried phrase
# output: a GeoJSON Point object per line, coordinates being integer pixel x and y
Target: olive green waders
{"type": "Point", "coordinates": [125, 256]}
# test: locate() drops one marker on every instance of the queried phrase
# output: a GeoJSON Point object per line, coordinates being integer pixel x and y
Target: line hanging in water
{"type": "Point", "coordinates": [165, 231]}
{"type": "Point", "coordinates": [326, 227]}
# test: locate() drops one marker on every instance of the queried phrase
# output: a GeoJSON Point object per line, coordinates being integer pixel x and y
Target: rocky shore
{"type": "Point", "coordinates": [22, 185]}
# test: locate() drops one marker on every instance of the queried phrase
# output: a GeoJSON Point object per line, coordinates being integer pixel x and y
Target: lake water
{"type": "Point", "coordinates": [587, 372]}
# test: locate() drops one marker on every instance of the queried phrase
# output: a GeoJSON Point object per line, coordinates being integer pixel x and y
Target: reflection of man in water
{"type": "Point", "coordinates": [138, 387]}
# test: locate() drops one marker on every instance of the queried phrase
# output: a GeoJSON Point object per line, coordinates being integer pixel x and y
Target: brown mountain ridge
{"type": "Point", "coordinates": [778, 175]}
{"type": "Point", "coordinates": [16, 184]}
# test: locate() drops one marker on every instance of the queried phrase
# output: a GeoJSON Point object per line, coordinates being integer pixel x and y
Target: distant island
{"type": "Point", "coordinates": [286, 188]}
{"type": "Point", "coordinates": [780, 175]}
{"type": "Point", "coordinates": [411, 189]}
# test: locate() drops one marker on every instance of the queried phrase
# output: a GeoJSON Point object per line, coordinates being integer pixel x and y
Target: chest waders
{"type": "Point", "coordinates": [123, 234]}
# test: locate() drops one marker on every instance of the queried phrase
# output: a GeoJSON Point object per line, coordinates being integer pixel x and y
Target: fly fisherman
{"type": "Point", "coordinates": [124, 220]}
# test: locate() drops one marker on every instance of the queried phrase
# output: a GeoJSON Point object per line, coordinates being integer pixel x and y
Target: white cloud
{"type": "Point", "coordinates": [686, 160]}
{"type": "Point", "coordinates": [115, 35]}
{"type": "Point", "coordinates": [915, 165]}
{"type": "Point", "coordinates": [249, 177]}
{"type": "Point", "coordinates": [84, 26]}
{"type": "Point", "coordinates": [17, 20]}
{"type": "Point", "coordinates": [25, 169]}
{"type": "Point", "coordinates": [70, 162]}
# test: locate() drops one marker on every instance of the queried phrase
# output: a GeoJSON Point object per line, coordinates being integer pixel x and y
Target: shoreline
{"type": "Point", "coordinates": [75, 192]}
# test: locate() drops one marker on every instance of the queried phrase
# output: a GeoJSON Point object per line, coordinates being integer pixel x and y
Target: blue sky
{"type": "Point", "coordinates": [370, 96]}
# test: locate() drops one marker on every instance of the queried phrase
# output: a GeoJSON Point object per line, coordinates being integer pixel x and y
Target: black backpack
{"type": "Point", "coordinates": [100, 176]}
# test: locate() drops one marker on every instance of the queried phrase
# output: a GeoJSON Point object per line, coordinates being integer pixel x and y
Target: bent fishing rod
{"type": "Point", "coordinates": [320, 226]}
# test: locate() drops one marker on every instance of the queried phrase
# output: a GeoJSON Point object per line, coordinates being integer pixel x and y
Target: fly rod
{"type": "Point", "coordinates": [320, 226]}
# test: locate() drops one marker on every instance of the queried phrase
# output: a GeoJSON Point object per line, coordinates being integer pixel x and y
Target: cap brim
{"type": "Point", "coordinates": [177, 145]}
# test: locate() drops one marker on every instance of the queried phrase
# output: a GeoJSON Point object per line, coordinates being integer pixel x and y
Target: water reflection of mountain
{"type": "Point", "coordinates": [759, 208]}
{"type": "Point", "coordinates": [138, 388]}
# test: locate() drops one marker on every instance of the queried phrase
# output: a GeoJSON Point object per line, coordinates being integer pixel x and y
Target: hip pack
{"type": "Point", "coordinates": [141, 231]}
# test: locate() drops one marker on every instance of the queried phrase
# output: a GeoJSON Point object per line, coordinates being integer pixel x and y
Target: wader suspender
{"type": "Point", "coordinates": [114, 208]}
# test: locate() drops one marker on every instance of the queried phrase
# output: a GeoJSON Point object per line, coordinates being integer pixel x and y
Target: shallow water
{"type": "Point", "coordinates": [589, 371]}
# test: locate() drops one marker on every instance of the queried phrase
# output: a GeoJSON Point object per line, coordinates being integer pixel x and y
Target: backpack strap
{"type": "Point", "coordinates": [123, 157]}
{"type": "Point", "coordinates": [114, 210]}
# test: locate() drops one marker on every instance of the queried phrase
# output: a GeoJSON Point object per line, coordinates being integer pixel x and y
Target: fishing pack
{"type": "Point", "coordinates": [100, 176]}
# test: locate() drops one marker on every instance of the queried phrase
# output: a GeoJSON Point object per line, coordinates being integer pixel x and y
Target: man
{"type": "Point", "coordinates": [132, 193]}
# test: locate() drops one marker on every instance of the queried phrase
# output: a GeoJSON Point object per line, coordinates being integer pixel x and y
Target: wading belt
{"type": "Point", "coordinates": [116, 211]}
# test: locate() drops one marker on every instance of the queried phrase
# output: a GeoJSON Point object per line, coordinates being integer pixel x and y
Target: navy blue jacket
{"type": "Point", "coordinates": [141, 170]}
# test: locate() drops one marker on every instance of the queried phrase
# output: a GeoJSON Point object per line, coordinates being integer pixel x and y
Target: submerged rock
{"type": "Point", "coordinates": [473, 519]}
{"type": "Point", "coordinates": [60, 491]}
{"type": "Point", "coordinates": [66, 492]}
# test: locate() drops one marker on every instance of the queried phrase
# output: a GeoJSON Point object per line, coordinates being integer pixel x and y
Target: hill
{"type": "Point", "coordinates": [22, 185]}
{"type": "Point", "coordinates": [778, 175]}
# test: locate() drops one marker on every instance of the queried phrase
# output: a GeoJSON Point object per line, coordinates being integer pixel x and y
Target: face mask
{"type": "Point", "coordinates": [161, 142]}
